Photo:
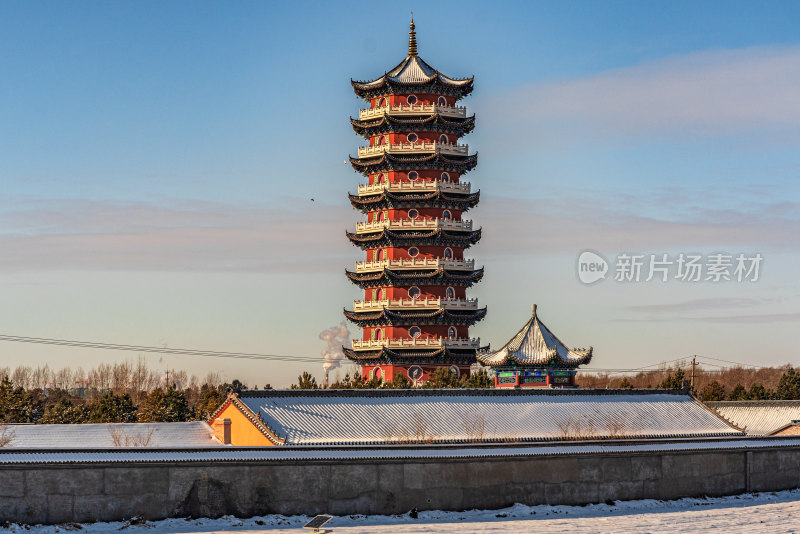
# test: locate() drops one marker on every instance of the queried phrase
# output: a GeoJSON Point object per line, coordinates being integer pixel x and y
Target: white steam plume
{"type": "Point", "coordinates": [336, 337]}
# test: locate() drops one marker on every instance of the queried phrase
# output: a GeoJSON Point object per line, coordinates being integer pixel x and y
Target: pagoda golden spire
{"type": "Point", "coordinates": [412, 39]}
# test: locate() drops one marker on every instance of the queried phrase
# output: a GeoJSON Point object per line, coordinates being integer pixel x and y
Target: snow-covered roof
{"type": "Point", "coordinates": [108, 435]}
{"type": "Point", "coordinates": [332, 417]}
{"type": "Point", "coordinates": [378, 453]}
{"type": "Point", "coordinates": [535, 344]}
{"type": "Point", "coordinates": [413, 71]}
{"type": "Point", "coordinates": [758, 417]}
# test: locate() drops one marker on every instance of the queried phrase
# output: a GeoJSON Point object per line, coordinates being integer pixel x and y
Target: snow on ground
{"type": "Point", "coordinates": [764, 512]}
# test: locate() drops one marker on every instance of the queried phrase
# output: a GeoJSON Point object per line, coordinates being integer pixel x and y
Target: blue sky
{"type": "Point", "coordinates": [157, 162]}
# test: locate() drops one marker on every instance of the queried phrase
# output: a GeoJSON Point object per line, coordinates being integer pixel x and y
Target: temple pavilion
{"type": "Point", "coordinates": [535, 357]}
{"type": "Point", "coordinates": [415, 314]}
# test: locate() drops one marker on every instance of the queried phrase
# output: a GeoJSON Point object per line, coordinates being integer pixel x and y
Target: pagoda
{"type": "Point", "coordinates": [535, 357]}
{"type": "Point", "coordinates": [415, 313]}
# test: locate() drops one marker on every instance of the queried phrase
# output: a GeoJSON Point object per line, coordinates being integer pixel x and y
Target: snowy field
{"type": "Point", "coordinates": [764, 512]}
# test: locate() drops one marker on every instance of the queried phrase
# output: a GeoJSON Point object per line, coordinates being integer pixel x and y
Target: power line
{"type": "Point", "coordinates": [159, 350]}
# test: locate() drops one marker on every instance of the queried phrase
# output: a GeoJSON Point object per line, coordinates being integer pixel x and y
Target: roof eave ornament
{"type": "Point", "coordinates": [412, 39]}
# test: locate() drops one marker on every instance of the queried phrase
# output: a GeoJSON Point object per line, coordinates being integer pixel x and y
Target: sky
{"type": "Point", "coordinates": [158, 161]}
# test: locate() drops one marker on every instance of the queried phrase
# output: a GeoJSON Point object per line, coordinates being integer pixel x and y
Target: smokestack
{"type": "Point", "coordinates": [332, 355]}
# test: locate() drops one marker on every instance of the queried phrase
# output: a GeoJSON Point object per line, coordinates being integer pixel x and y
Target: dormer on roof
{"type": "Point", "coordinates": [412, 74]}
{"type": "Point", "coordinates": [535, 357]}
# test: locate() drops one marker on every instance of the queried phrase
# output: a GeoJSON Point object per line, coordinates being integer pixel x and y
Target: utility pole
{"type": "Point", "coordinates": [694, 362]}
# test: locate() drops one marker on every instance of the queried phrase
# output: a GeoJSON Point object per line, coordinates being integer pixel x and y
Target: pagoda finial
{"type": "Point", "coordinates": [533, 310]}
{"type": "Point", "coordinates": [412, 39]}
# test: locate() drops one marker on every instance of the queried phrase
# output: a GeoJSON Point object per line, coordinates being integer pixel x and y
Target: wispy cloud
{"type": "Point", "coordinates": [636, 222]}
{"type": "Point", "coordinates": [719, 303]}
{"type": "Point", "coordinates": [95, 235]}
{"type": "Point", "coordinates": [714, 92]}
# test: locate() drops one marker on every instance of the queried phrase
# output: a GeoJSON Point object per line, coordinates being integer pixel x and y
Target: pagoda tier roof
{"type": "Point", "coordinates": [434, 237]}
{"type": "Point", "coordinates": [433, 161]}
{"type": "Point", "coordinates": [433, 123]}
{"type": "Point", "coordinates": [433, 199]}
{"type": "Point", "coordinates": [385, 355]}
{"type": "Point", "coordinates": [536, 345]}
{"type": "Point", "coordinates": [437, 277]}
{"type": "Point", "coordinates": [413, 74]}
{"type": "Point", "coordinates": [440, 316]}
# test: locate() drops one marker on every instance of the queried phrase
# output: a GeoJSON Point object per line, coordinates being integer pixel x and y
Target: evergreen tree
{"type": "Point", "coordinates": [168, 406]}
{"type": "Point", "coordinates": [209, 400]}
{"type": "Point", "coordinates": [479, 379]}
{"type": "Point", "coordinates": [625, 383]}
{"type": "Point", "coordinates": [399, 382]}
{"type": "Point", "coordinates": [714, 392]}
{"type": "Point", "coordinates": [758, 392]}
{"type": "Point", "coordinates": [673, 380]}
{"type": "Point", "coordinates": [16, 405]}
{"type": "Point", "coordinates": [112, 408]}
{"type": "Point", "coordinates": [443, 378]}
{"type": "Point", "coordinates": [305, 381]}
{"type": "Point", "coordinates": [65, 412]}
{"type": "Point", "coordinates": [738, 393]}
{"type": "Point", "coordinates": [789, 385]}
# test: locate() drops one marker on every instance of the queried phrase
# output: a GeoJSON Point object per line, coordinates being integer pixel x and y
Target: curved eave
{"type": "Point", "coordinates": [434, 161]}
{"type": "Point", "coordinates": [435, 85]}
{"type": "Point", "coordinates": [486, 359]}
{"type": "Point", "coordinates": [435, 198]}
{"type": "Point", "coordinates": [434, 237]}
{"type": "Point", "coordinates": [437, 277]}
{"type": "Point", "coordinates": [434, 123]}
{"type": "Point", "coordinates": [441, 355]}
{"type": "Point", "coordinates": [439, 316]}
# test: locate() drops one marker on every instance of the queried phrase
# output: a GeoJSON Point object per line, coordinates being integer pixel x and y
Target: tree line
{"type": "Point", "coordinates": [124, 392]}
{"type": "Point", "coordinates": [735, 383]}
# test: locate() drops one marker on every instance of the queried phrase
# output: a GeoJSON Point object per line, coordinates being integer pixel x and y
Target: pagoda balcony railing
{"type": "Point", "coordinates": [404, 304]}
{"type": "Point", "coordinates": [414, 265]}
{"type": "Point", "coordinates": [410, 343]}
{"type": "Point", "coordinates": [413, 148]}
{"type": "Point", "coordinates": [413, 224]}
{"type": "Point", "coordinates": [421, 186]}
{"type": "Point", "coordinates": [413, 109]}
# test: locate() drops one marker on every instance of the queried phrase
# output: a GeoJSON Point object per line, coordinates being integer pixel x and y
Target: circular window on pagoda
{"type": "Point", "coordinates": [446, 215]}
{"type": "Point", "coordinates": [377, 373]}
{"type": "Point", "coordinates": [445, 177]}
{"type": "Point", "coordinates": [411, 99]}
{"type": "Point", "coordinates": [413, 214]}
{"type": "Point", "coordinates": [382, 102]}
{"type": "Point", "coordinates": [451, 332]}
{"type": "Point", "coordinates": [413, 252]}
{"type": "Point", "coordinates": [415, 332]}
{"type": "Point", "coordinates": [414, 292]}
{"type": "Point", "coordinates": [381, 140]}
{"type": "Point", "coordinates": [450, 293]}
{"type": "Point", "coordinates": [381, 178]}
{"type": "Point", "coordinates": [443, 139]}
{"type": "Point", "coordinates": [413, 175]}
{"type": "Point", "coordinates": [442, 101]}
{"type": "Point", "coordinates": [412, 138]}
{"type": "Point", "coordinates": [448, 254]}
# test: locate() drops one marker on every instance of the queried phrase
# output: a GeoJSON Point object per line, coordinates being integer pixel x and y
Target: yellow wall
{"type": "Point", "coordinates": [243, 432]}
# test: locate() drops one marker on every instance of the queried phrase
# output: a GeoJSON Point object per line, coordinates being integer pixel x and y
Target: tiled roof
{"type": "Point", "coordinates": [330, 417]}
{"type": "Point", "coordinates": [413, 71]}
{"type": "Point", "coordinates": [758, 417]}
{"type": "Point", "coordinates": [536, 344]}
{"type": "Point", "coordinates": [101, 435]}
{"type": "Point", "coordinates": [383, 454]}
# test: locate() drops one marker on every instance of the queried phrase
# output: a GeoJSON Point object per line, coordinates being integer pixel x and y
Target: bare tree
{"type": "Point", "coordinates": [6, 435]}
{"type": "Point", "coordinates": [121, 438]}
